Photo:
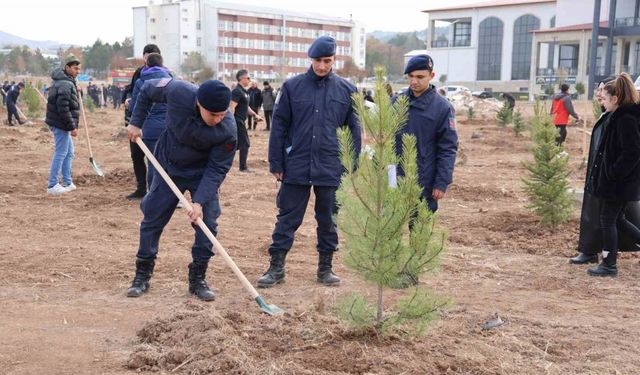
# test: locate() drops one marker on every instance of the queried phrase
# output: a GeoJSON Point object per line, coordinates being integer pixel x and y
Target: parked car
{"type": "Point", "coordinates": [454, 90]}
{"type": "Point", "coordinates": [482, 94]}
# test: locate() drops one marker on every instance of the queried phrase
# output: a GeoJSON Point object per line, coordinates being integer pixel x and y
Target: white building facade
{"type": "Point", "coordinates": [270, 43]}
{"type": "Point", "coordinates": [530, 45]}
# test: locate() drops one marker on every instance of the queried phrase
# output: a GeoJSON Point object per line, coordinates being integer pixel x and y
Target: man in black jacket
{"type": "Point", "coordinates": [12, 103]}
{"type": "Point", "coordinates": [255, 102]}
{"type": "Point", "coordinates": [63, 110]}
{"type": "Point", "coordinates": [137, 156]}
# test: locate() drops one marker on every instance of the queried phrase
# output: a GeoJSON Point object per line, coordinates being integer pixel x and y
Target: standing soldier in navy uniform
{"type": "Point", "coordinates": [240, 109]}
{"type": "Point", "coordinates": [432, 121]}
{"type": "Point", "coordinates": [304, 154]}
{"type": "Point", "coordinates": [196, 150]}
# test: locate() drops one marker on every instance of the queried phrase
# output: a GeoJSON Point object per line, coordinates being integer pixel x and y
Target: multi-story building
{"type": "Point", "coordinates": [270, 43]}
{"type": "Point", "coordinates": [529, 45]}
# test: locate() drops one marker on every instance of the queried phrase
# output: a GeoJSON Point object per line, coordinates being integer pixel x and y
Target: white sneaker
{"type": "Point", "coordinates": [70, 187]}
{"type": "Point", "coordinates": [57, 189]}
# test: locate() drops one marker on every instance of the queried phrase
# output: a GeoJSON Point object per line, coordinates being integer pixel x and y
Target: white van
{"type": "Point", "coordinates": [453, 90]}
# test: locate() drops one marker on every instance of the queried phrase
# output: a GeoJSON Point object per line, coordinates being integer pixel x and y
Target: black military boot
{"type": "Point", "coordinates": [325, 273]}
{"type": "Point", "coordinates": [275, 273]}
{"type": "Point", "coordinates": [144, 271]}
{"type": "Point", "coordinates": [197, 283]}
{"type": "Point", "coordinates": [583, 258]}
{"type": "Point", "coordinates": [607, 267]}
{"type": "Point", "coordinates": [138, 194]}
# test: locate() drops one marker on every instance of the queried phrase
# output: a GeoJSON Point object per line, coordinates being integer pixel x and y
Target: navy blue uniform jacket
{"type": "Point", "coordinates": [304, 143]}
{"type": "Point", "coordinates": [432, 121]}
{"type": "Point", "coordinates": [188, 148]}
{"type": "Point", "coordinates": [155, 121]}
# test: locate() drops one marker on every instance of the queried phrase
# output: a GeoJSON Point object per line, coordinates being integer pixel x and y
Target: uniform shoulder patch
{"type": "Point", "coordinates": [452, 122]}
{"type": "Point", "coordinates": [163, 82]}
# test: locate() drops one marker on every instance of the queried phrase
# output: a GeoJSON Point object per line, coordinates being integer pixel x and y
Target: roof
{"type": "Point", "coordinates": [487, 4]}
{"type": "Point", "coordinates": [579, 27]}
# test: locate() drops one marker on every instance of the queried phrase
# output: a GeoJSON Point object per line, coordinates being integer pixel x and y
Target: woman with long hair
{"type": "Point", "coordinates": [615, 176]}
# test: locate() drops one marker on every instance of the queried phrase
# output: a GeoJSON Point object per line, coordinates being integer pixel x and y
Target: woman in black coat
{"type": "Point", "coordinates": [615, 176]}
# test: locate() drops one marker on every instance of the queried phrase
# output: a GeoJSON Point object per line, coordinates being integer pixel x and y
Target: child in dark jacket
{"type": "Point", "coordinates": [615, 177]}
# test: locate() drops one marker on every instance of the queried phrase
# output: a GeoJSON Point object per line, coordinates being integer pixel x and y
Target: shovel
{"type": "Point", "coordinates": [95, 166]}
{"type": "Point", "coordinates": [269, 309]}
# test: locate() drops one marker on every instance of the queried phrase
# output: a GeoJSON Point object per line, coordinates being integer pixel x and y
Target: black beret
{"type": "Point", "coordinates": [214, 96]}
{"type": "Point", "coordinates": [324, 46]}
{"type": "Point", "coordinates": [419, 62]}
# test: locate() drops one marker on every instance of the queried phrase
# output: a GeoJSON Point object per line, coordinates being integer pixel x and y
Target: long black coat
{"type": "Point", "coordinates": [616, 167]}
{"type": "Point", "coordinates": [590, 239]}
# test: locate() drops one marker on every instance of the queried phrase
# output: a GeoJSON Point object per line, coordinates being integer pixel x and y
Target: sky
{"type": "Point", "coordinates": [83, 21]}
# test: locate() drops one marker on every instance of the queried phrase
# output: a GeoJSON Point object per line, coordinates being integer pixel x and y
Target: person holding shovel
{"type": "Point", "coordinates": [12, 103]}
{"type": "Point", "coordinates": [196, 150]}
{"type": "Point", "coordinates": [304, 155]}
{"type": "Point", "coordinates": [63, 112]}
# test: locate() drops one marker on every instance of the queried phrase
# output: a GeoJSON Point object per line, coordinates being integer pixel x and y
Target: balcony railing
{"type": "Point", "coordinates": [557, 71]}
{"type": "Point", "coordinates": [627, 22]}
{"type": "Point", "coordinates": [446, 43]}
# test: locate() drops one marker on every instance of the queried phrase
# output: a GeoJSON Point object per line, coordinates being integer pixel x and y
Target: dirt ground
{"type": "Point", "coordinates": [65, 263]}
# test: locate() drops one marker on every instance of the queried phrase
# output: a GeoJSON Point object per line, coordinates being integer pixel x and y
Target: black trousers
{"type": "Point", "coordinates": [562, 129]}
{"type": "Point", "coordinates": [13, 111]}
{"type": "Point", "coordinates": [267, 118]}
{"type": "Point", "coordinates": [139, 166]}
{"type": "Point", "coordinates": [292, 203]}
{"type": "Point", "coordinates": [251, 121]}
{"type": "Point", "coordinates": [612, 215]}
{"type": "Point", "coordinates": [243, 144]}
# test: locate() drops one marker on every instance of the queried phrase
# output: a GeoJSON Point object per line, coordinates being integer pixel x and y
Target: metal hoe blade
{"type": "Point", "coordinates": [96, 168]}
{"type": "Point", "coordinates": [269, 309]}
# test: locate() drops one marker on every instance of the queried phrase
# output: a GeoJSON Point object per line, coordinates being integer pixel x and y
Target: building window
{"type": "Point", "coordinates": [522, 40]}
{"type": "Point", "coordinates": [185, 37]}
{"type": "Point", "coordinates": [569, 58]}
{"type": "Point", "coordinates": [185, 19]}
{"type": "Point", "coordinates": [152, 20]}
{"type": "Point", "coordinates": [462, 34]}
{"type": "Point", "coordinates": [199, 41]}
{"type": "Point", "coordinates": [198, 25]}
{"type": "Point", "coordinates": [490, 49]}
{"type": "Point", "coordinates": [153, 37]}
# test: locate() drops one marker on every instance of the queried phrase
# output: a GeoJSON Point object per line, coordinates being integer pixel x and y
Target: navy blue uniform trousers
{"type": "Point", "coordinates": [292, 203]}
{"type": "Point", "coordinates": [158, 207]}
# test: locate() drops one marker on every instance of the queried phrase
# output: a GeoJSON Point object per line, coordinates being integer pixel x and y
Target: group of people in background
{"type": "Point", "coordinates": [195, 131]}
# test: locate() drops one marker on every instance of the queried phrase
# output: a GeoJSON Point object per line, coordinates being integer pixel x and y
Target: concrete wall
{"type": "Point", "coordinates": [139, 30]}
{"type": "Point", "coordinates": [576, 12]}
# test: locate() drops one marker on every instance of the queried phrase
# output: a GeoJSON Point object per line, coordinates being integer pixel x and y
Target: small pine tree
{"type": "Point", "coordinates": [32, 99]}
{"type": "Point", "coordinates": [597, 109]}
{"type": "Point", "coordinates": [89, 104]}
{"type": "Point", "coordinates": [471, 113]}
{"type": "Point", "coordinates": [504, 116]}
{"type": "Point", "coordinates": [547, 184]}
{"type": "Point", "coordinates": [374, 218]}
{"type": "Point", "coordinates": [518, 123]}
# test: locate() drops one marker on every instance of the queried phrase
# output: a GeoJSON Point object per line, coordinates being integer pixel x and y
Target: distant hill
{"type": "Point", "coordinates": [10, 40]}
{"type": "Point", "coordinates": [385, 36]}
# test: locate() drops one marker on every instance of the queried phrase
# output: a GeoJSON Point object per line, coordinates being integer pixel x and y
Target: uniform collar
{"type": "Point", "coordinates": [314, 77]}
{"type": "Point", "coordinates": [423, 100]}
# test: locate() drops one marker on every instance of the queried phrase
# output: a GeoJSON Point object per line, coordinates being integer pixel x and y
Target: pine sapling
{"type": "Point", "coordinates": [547, 182]}
{"type": "Point", "coordinates": [471, 114]}
{"type": "Point", "coordinates": [375, 211]}
{"type": "Point", "coordinates": [518, 123]}
{"type": "Point", "coordinates": [504, 116]}
{"type": "Point", "coordinates": [32, 98]}
{"type": "Point", "coordinates": [89, 103]}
